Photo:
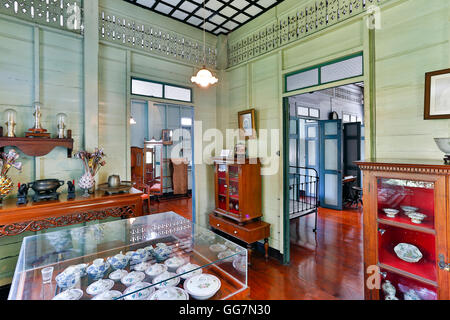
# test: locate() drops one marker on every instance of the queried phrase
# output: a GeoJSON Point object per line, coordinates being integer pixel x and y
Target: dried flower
{"type": "Point", "coordinates": [92, 161]}
{"type": "Point", "coordinates": [8, 160]}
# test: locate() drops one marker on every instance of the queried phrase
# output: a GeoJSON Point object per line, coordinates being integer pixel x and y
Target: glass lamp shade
{"type": "Point", "coordinates": [204, 78]}
{"type": "Point", "coordinates": [61, 120]}
{"type": "Point", "coordinates": [10, 122]}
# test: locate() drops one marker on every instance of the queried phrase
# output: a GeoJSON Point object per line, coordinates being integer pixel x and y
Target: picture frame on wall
{"type": "Point", "coordinates": [167, 136]}
{"type": "Point", "coordinates": [247, 127]}
{"type": "Point", "coordinates": [437, 95]}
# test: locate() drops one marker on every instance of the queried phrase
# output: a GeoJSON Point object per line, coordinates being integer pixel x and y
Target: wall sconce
{"type": "Point", "coordinates": [61, 120]}
{"type": "Point", "coordinates": [10, 121]}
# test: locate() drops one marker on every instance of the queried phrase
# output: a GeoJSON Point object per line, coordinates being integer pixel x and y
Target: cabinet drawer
{"type": "Point", "coordinates": [249, 233]}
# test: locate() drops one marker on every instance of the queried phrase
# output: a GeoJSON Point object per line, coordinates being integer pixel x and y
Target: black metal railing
{"type": "Point", "coordinates": [303, 192]}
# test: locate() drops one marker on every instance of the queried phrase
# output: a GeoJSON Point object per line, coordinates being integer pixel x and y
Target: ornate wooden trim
{"type": "Point", "coordinates": [62, 221]}
{"type": "Point", "coordinates": [405, 168]}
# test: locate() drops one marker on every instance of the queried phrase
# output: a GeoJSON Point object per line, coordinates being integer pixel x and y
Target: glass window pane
{"type": "Point", "coordinates": [187, 122]}
{"type": "Point", "coordinates": [331, 189]}
{"type": "Point", "coordinates": [177, 93]}
{"type": "Point", "coordinates": [302, 111]}
{"type": "Point", "coordinates": [330, 128]}
{"type": "Point", "coordinates": [146, 88]}
{"type": "Point", "coordinates": [331, 153]}
{"type": "Point", "coordinates": [342, 70]}
{"type": "Point", "coordinates": [302, 80]}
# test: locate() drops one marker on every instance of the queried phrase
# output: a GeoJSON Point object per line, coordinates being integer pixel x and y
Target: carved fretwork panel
{"type": "Point", "coordinates": [307, 19]}
{"type": "Point", "coordinates": [158, 41]}
{"type": "Point", "coordinates": [70, 219]}
{"type": "Point", "coordinates": [61, 14]}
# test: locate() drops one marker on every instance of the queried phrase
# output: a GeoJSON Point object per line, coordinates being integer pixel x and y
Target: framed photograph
{"type": "Point", "coordinates": [437, 95]}
{"type": "Point", "coordinates": [247, 126]}
{"type": "Point", "coordinates": [167, 136]}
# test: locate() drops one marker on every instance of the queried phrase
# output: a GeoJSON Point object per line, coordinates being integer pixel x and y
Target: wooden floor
{"type": "Point", "coordinates": [327, 265]}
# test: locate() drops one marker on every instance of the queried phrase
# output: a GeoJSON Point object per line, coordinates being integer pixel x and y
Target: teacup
{"type": "Point", "coordinates": [139, 256]}
{"type": "Point", "coordinates": [98, 268]}
{"type": "Point", "coordinates": [161, 253]}
{"type": "Point", "coordinates": [119, 261]}
{"type": "Point", "coordinates": [68, 278]}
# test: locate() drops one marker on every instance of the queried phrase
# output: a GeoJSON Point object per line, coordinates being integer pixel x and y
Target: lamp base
{"type": "Point", "coordinates": [37, 133]}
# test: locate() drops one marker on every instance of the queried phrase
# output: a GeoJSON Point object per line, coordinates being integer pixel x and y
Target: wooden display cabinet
{"type": "Point", "coordinates": [396, 184]}
{"type": "Point", "coordinates": [238, 189]}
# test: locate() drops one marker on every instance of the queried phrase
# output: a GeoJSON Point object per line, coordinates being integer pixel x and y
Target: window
{"type": "Point", "coordinates": [160, 90]}
{"type": "Point", "coordinates": [348, 67]}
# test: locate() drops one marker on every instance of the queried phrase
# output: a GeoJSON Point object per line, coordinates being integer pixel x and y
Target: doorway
{"type": "Point", "coordinates": [161, 154]}
{"type": "Point", "coordinates": [326, 136]}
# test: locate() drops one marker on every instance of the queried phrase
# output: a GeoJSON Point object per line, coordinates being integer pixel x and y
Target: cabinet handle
{"type": "Point", "coordinates": [218, 225]}
{"type": "Point", "coordinates": [382, 231]}
{"type": "Point", "coordinates": [383, 274]}
{"type": "Point", "coordinates": [235, 232]}
{"type": "Point", "coordinates": [225, 186]}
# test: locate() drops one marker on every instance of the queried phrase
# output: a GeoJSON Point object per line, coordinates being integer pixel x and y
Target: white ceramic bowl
{"type": "Point", "coordinates": [203, 286]}
{"type": "Point", "coordinates": [443, 144]}
{"type": "Point", "coordinates": [391, 213]}
{"type": "Point", "coordinates": [417, 217]}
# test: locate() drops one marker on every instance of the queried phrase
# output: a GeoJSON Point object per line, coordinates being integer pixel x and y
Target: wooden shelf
{"type": "Point", "coordinates": [406, 226]}
{"type": "Point", "coordinates": [36, 147]}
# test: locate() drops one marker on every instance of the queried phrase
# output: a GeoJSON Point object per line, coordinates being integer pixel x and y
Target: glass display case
{"type": "Point", "coordinates": [155, 257]}
{"type": "Point", "coordinates": [405, 230]}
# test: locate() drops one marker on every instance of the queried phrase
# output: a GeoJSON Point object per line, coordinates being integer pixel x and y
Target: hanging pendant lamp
{"type": "Point", "coordinates": [204, 77]}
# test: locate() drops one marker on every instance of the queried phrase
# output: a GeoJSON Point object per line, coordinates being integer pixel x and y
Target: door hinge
{"type": "Point", "coordinates": [442, 264]}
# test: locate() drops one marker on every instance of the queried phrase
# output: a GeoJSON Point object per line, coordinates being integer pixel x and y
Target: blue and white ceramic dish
{"type": "Point", "coordinates": [133, 278]}
{"type": "Point", "coordinates": [150, 250]}
{"type": "Point", "coordinates": [166, 279]}
{"type": "Point", "coordinates": [137, 291]}
{"type": "Point", "coordinates": [97, 269]}
{"type": "Point", "coordinates": [82, 269]}
{"type": "Point", "coordinates": [162, 252]}
{"type": "Point", "coordinates": [138, 256]}
{"type": "Point", "coordinates": [119, 261]}
{"type": "Point", "coordinates": [68, 278]}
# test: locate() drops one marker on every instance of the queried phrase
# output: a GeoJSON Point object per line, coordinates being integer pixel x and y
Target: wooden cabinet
{"type": "Point", "coordinates": [402, 252]}
{"type": "Point", "coordinates": [238, 189]}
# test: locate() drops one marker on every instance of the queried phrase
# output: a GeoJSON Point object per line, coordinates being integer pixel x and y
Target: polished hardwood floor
{"type": "Point", "coordinates": [324, 266]}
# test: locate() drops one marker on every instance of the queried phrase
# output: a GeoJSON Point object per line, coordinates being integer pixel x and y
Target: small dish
{"type": "Point", "coordinates": [71, 294]}
{"type": "Point", "coordinates": [166, 279]}
{"type": "Point", "coordinates": [132, 278]}
{"type": "Point", "coordinates": [408, 252]}
{"type": "Point", "coordinates": [149, 249]}
{"type": "Point", "coordinates": [119, 261]}
{"type": "Point", "coordinates": [217, 247]}
{"type": "Point", "coordinates": [170, 293]}
{"type": "Point", "coordinates": [140, 255]}
{"type": "Point", "coordinates": [142, 266]}
{"type": "Point", "coordinates": [118, 274]}
{"type": "Point", "coordinates": [98, 268]}
{"type": "Point", "coordinates": [408, 209]}
{"type": "Point", "coordinates": [107, 295]}
{"type": "Point", "coordinates": [188, 270]}
{"type": "Point", "coordinates": [174, 263]}
{"type": "Point", "coordinates": [391, 213]}
{"type": "Point", "coordinates": [99, 286]}
{"type": "Point", "coordinates": [162, 252]}
{"type": "Point", "coordinates": [155, 270]}
{"type": "Point", "coordinates": [202, 287]}
{"type": "Point", "coordinates": [137, 291]}
{"type": "Point", "coordinates": [417, 217]}
{"type": "Point", "coordinates": [68, 278]}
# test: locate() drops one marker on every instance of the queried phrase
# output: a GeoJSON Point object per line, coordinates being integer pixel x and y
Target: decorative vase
{"type": "Point", "coordinates": [86, 182]}
{"type": "Point", "coordinates": [5, 187]}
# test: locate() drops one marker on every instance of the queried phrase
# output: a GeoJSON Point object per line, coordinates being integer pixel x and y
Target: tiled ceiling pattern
{"type": "Point", "coordinates": [221, 16]}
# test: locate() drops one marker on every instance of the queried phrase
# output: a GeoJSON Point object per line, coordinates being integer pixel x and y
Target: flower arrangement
{"type": "Point", "coordinates": [8, 160]}
{"type": "Point", "coordinates": [92, 161]}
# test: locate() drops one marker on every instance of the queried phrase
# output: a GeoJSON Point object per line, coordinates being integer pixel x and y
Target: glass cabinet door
{"type": "Point", "coordinates": [222, 186]}
{"type": "Point", "coordinates": [408, 239]}
{"type": "Point", "coordinates": [233, 189]}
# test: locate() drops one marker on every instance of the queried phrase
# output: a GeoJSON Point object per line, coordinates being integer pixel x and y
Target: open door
{"type": "Point", "coordinates": [352, 150]}
{"type": "Point", "coordinates": [330, 141]}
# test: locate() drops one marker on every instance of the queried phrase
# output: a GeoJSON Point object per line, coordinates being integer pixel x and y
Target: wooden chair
{"type": "Point", "coordinates": [145, 189]}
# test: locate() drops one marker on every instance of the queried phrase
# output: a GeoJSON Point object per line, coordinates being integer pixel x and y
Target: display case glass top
{"type": "Point", "coordinates": [160, 256]}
